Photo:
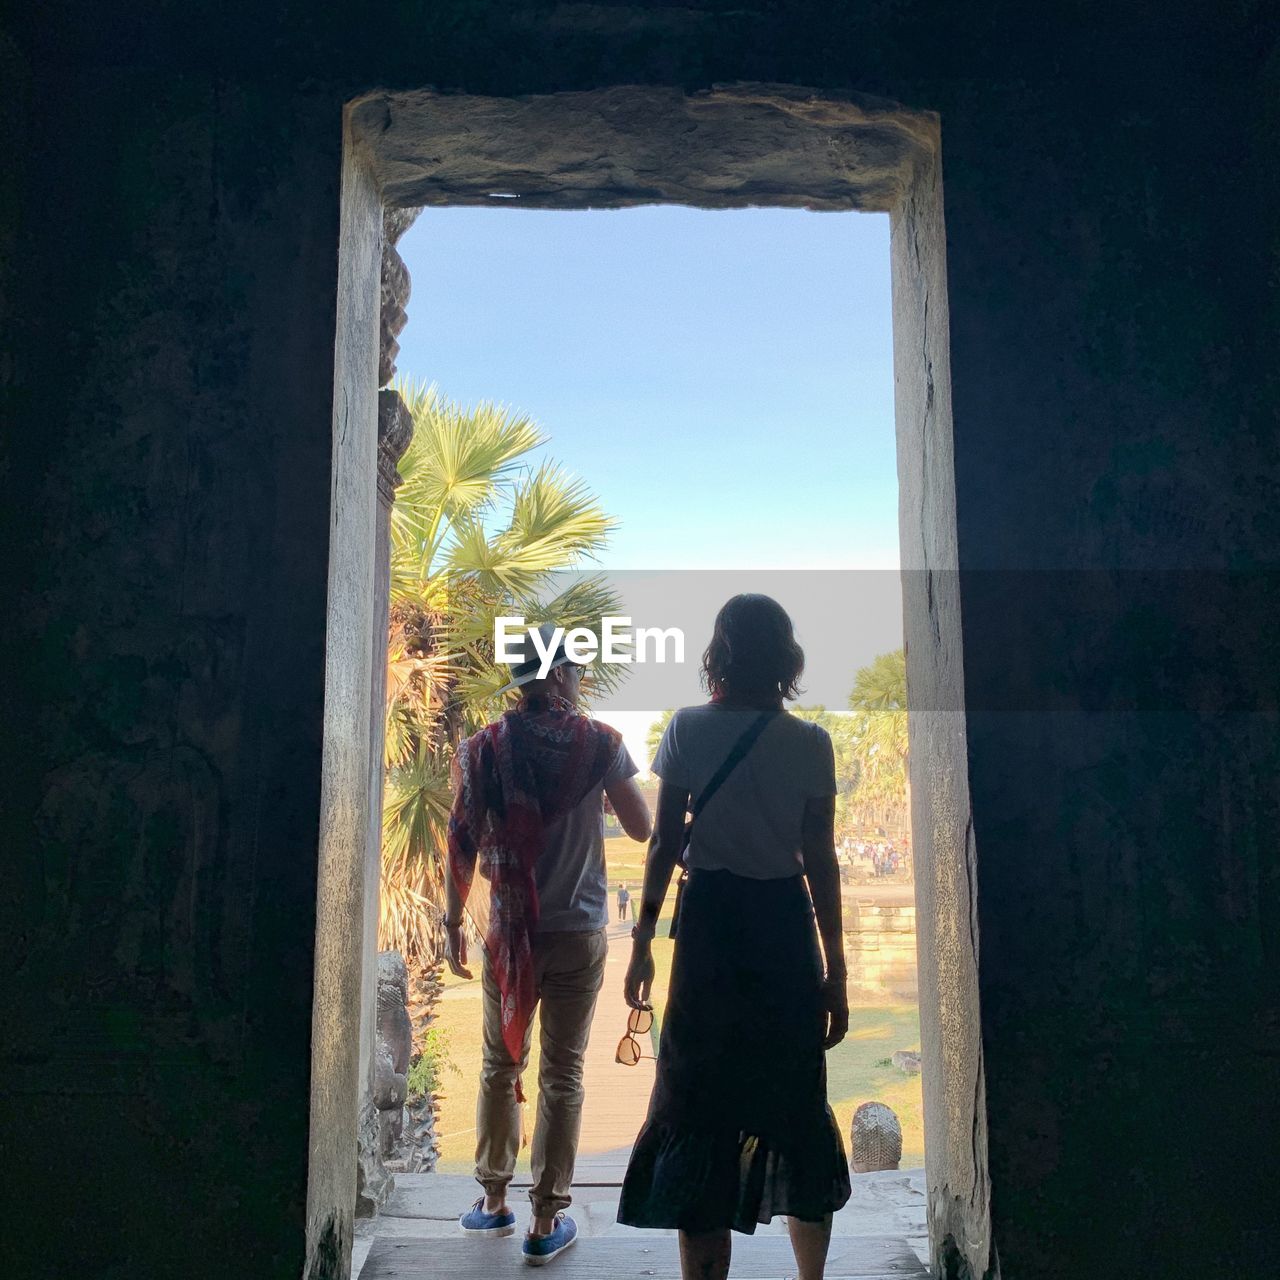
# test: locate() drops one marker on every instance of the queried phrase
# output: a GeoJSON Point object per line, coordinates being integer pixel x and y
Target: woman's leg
{"type": "Point", "coordinates": [704, 1255]}
{"type": "Point", "coordinates": [809, 1241]}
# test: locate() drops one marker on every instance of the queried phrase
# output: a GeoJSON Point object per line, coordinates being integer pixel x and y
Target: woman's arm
{"type": "Point", "coordinates": [818, 846]}
{"type": "Point", "coordinates": [664, 852]}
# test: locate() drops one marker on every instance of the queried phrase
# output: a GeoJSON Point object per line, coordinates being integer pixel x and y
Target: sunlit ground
{"type": "Point", "coordinates": [858, 1070]}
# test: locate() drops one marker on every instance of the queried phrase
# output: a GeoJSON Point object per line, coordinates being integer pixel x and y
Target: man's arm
{"type": "Point", "coordinates": [455, 952]}
{"type": "Point", "coordinates": [454, 902]}
{"type": "Point", "coordinates": [630, 807]}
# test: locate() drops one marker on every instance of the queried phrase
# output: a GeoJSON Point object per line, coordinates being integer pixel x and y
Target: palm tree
{"type": "Point", "coordinates": [476, 532]}
{"type": "Point", "coordinates": [841, 730]}
{"type": "Point", "coordinates": [656, 730]}
{"type": "Point", "coordinates": [879, 704]}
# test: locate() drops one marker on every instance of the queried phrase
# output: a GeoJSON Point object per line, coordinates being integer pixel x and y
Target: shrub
{"type": "Point", "coordinates": [431, 1064]}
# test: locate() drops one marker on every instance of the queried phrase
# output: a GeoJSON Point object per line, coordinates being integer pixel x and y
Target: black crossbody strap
{"type": "Point", "coordinates": [731, 762]}
{"type": "Point", "coordinates": [734, 758]}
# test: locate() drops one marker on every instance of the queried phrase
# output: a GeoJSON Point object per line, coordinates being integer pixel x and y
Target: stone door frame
{"type": "Point", "coordinates": [732, 146]}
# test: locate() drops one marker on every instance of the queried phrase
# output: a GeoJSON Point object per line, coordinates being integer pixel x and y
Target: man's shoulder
{"type": "Point", "coordinates": [607, 738]}
{"type": "Point", "coordinates": [608, 730]}
{"type": "Point", "coordinates": [474, 741]}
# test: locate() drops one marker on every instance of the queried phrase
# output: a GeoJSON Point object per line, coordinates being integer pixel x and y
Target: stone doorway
{"type": "Point", "coordinates": [730, 147]}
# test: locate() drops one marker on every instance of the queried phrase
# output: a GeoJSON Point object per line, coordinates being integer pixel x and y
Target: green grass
{"type": "Point", "coordinates": [856, 1068]}
{"type": "Point", "coordinates": [625, 859]}
{"type": "Point", "coordinates": [857, 1072]}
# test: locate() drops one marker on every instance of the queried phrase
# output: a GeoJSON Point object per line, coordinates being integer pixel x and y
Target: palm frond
{"type": "Point", "coordinates": [882, 684]}
{"type": "Point", "coordinates": [499, 567]}
{"type": "Point", "coordinates": [556, 513]}
{"type": "Point", "coordinates": [455, 466]}
{"type": "Point", "coordinates": [474, 533]}
{"type": "Point", "coordinates": [583, 603]}
{"type": "Point", "coordinates": [657, 729]}
{"type": "Point", "coordinates": [879, 739]}
{"type": "Point", "coordinates": [414, 831]}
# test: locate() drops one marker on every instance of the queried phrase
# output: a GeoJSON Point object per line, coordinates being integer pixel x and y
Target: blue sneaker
{"type": "Point", "coordinates": [539, 1250]}
{"type": "Point", "coordinates": [475, 1222]}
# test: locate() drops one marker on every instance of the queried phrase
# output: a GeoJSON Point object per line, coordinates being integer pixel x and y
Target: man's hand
{"type": "Point", "coordinates": [455, 952]}
{"type": "Point", "coordinates": [835, 1010]}
{"type": "Point", "coordinates": [638, 984]}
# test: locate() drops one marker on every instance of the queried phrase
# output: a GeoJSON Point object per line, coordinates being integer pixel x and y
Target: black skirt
{"type": "Point", "coordinates": [739, 1128]}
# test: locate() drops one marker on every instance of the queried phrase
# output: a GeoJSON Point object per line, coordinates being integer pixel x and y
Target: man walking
{"type": "Point", "coordinates": [528, 812]}
{"type": "Point", "coordinates": [624, 901]}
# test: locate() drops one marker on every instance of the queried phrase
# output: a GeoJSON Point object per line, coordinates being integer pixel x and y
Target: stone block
{"type": "Point", "coordinates": [875, 1138]}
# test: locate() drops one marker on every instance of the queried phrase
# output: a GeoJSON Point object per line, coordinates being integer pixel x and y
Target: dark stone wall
{"type": "Point", "coordinates": [167, 474]}
{"type": "Point", "coordinates": [1114, 394]}
{"type": "Point", "coordinates": [172, 209]}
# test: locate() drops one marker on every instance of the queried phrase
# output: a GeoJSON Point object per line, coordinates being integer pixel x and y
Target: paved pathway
{"type": "Point", "coordinates": [617, 1096]}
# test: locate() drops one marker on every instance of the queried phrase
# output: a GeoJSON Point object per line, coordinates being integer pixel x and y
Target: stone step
{"type": "Point", "coordinates": [608, 1258]}
{"type": "Point", "coordinates": [888, 1204]}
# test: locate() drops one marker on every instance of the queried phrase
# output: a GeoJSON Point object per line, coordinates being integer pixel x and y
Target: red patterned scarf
{"type": "Point", "coordinates": [512, 780]}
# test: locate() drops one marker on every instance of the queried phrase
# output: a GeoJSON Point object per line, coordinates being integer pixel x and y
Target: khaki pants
{"type": "Point", "coordinates": [568, 973]}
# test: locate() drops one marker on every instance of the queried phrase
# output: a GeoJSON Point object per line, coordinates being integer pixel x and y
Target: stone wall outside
{"type": "Point", "coordinates": [168, 470]}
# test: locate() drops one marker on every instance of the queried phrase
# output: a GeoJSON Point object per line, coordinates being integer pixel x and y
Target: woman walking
{"type": "Point", "coordinates": [739, 1128]}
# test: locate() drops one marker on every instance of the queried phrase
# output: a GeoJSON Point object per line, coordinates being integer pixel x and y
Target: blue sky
{"type": "Point", "coordinates": [723, 380]}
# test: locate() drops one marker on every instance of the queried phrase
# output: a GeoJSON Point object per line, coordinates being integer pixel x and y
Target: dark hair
{"type": "Point", "coordinates": [753, 652]}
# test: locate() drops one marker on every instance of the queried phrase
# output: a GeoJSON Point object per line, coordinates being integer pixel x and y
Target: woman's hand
{"type": "Point", "coordinates": [638, 984]}
{"type": "Point", "coordinates": [835, 1010]}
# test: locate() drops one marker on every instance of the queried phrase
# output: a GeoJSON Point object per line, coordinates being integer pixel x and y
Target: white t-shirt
{"type": "Point", "coordinates": [752, 825]}
{"type": "Point", "coordinates": [573, 893]}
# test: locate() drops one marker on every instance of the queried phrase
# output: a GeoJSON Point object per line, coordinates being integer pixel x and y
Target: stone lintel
{"type": "Point", "coordinates": [729, 147]}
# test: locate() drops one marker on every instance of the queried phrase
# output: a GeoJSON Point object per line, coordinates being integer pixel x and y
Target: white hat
{"type": "Point", "coordinates": [527, 666]}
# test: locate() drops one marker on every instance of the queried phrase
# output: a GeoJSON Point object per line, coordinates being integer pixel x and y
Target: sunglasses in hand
{"type": "Point", "coordinates": [639, 1023]}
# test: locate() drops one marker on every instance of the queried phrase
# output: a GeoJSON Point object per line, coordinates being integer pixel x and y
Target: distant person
{"type": "Point", "coordinates": [528, 814]}
{"type": "Point", "coordinates": [624, 901]}
{"type": "Point", "coordinates": [739, 1129]}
